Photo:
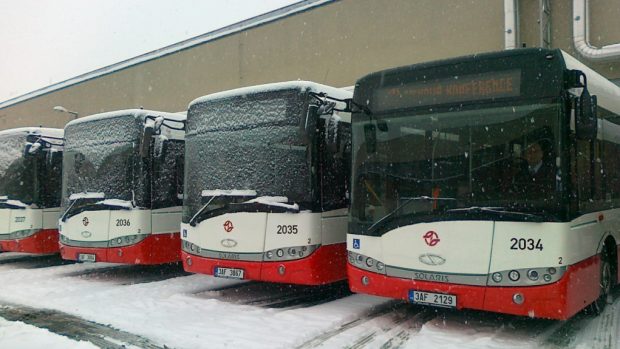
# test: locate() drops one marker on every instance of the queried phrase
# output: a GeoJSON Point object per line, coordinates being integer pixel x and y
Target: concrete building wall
{"type": "Point", "coordinates": [334, 44]}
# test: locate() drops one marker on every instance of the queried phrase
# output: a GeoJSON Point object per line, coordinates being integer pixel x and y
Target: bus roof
{"type": "Point", "coordinates": [43, 131]}
{"type": "Point", "coordinates": [141, 115]}
{"type": "Point", "coordinates": [278, 86]}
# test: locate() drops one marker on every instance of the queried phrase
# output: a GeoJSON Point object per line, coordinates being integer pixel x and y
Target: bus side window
{"type": "Point", "coordinates": [335, 165]}
{"type": "Point", "coordinates": [583, 174]}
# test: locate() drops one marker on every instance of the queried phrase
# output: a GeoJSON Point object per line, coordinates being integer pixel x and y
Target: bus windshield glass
{"type": "Point", "coordinates": [17, 172]}
{"type": "Point", "coordinates": [102, 157]}
{"type": "Point", "coordinates": [497, 163]}
{"type": "Point", "coordinates": [252, 143]}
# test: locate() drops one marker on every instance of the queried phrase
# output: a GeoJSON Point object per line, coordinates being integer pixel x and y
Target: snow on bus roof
{"type": "Point", "coordinates": [137, 113]}
{"type": "Point", "coordinates": [43, 131]}
{"type": "Point", "coordinates": [278, 86]}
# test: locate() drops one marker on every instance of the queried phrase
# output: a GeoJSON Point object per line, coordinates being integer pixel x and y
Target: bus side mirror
{"type": "Point", "coordinates": [586, 123]}
{"type": "Point", "coordinates": [145, 140]}
{"type": "Point", "coordinates": [370, 135]}
{"type": "Point", "coordinates": [27, 149]}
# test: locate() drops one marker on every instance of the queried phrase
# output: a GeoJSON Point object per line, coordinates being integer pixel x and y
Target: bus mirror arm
{"type": "Point", "coordinates": [586, 124]}
{"type": "Point", "coordinates": [145, 140]}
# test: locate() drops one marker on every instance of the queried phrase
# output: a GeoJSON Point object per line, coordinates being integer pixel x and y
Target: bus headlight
{"type": "Point", "coordinates": [367, 263]}
{"type": "Point", "coordinates": [290, 253]}
{"type": "Point", "coordinates": [533, 276]}
{"type": "Point", "coordinates": [514, 275]}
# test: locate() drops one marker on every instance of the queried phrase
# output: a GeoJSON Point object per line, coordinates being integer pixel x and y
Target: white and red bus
{"type": "Point", "coordinates": [267, 171]}
{"type": "Point", "coordinates": [122, 187]}
{"type": "Point", "coordinates": [487, 182]}
{"type": "Point", "coordinates": [30, 177]}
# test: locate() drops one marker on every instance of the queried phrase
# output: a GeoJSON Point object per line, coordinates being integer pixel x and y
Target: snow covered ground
{"type": "Point", "coordinates": [19, 335]}
{"type": "Point", "coordinates": [117, 306]}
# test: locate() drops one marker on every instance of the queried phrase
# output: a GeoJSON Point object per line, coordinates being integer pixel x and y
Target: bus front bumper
{"type": "Point", "coordinates": [560, 300]}
{"type": "Point", "coordinates": [154, 249]}
{"type": "Point", "coordinates": [324, 265]}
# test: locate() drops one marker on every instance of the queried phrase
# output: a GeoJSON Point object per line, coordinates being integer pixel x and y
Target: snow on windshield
{"type": "Point", "coordinates": [100, 157]}
{"type": "Point", "coordinates": [248, 142]}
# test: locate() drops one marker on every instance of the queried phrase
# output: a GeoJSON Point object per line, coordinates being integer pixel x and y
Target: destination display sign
{"type": "Point", "coordinates": [463, 88]}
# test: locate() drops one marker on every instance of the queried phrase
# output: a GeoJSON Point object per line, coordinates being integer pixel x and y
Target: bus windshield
{"type": "Point", "coordinates": [496, 163]}
{"type": "Point", "coordinates": [17, 172]}
{"type": "Point", "coordinates": [250, 142]}
{"type": "Point", "coordinates": [102, 157]}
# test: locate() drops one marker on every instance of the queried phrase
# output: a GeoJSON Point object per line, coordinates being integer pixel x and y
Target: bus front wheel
{"type": "Point", "coordinates": [605, 285]}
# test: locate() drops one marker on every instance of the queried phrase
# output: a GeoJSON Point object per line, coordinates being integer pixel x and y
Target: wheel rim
{"type": "Point", "coordinates": [605, 278]}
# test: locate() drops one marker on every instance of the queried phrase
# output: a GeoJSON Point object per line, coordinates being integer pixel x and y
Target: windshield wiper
{"type": "Point", "coordinates": [193, 220]}
{"type": "Point", "coordinates": [499, 211]}
{"type": "Point", "coordinates": [113, 203]}
{"type": "Point", "coordinates": [407, 202]}
{"type": "Point", "coordinates": [12, 204]}
{"type": "Point", "coordinates": [279, 204]}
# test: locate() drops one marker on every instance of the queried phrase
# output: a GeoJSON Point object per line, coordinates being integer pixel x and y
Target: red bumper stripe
{"type": "Point", "coordinates": [155, 249]}
{"type": "Point", "coordinates": [325, 265]}
{"type": "Point", "coordinates": [44, 241]}
{"type": "Point", "coordinates": [561, 300]}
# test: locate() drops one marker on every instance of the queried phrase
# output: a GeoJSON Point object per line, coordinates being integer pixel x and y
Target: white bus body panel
{"type": "Point", "coordinates": [50, 218]}
{"type": "Point", "coordinates": [166, 220]}
{"type": "Point", "coordinates": [334, 226]}
{"type": "Point", "coordinates": [5, 221]}
{"type": "Point", "coordinates": [247, 232]}
{"type": "Point", "coordinates": [25, 219]}
{"type": "Point", "coordinates": [104, 225]}
{"type": "Point", "coordinates": [308, 230]}
{"type": "Point", "coordinates": [257, 232]}
{"type": "Point", "coordinates": [466, 245]}
{"type": "Point", "coordinates": [90, 226]}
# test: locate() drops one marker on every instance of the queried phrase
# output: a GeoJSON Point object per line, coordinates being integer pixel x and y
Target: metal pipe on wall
{"type": "Point", "coordinates": [581, 33]}
{"type": "Point", "coordinates": [511, 24]}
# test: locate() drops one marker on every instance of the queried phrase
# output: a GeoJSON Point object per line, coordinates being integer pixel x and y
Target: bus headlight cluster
{"type": "Point", "coordinates": [366, 263]}
{"type": "Point", "coordinates": [532, 276]}
{"type": "Point", "coordinates": [289, 253]}
{"type": "Point", "coordinates": [20, 234]}
{"type": "Point", "coordinates": [127, 240]}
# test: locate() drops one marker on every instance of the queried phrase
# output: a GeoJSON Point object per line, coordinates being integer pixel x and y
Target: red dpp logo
{"type": "Point", "coordinates": [228, 226]}
{"type": "Point", "coordinates": [431, 238]}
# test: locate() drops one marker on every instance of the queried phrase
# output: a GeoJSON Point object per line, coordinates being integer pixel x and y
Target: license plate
{"type": "Point", "coordinates": [230, 273]}
{"type": "Point", "coordinates": [86, 257]}
{"type": "Point", "coordinates": [430, 298]}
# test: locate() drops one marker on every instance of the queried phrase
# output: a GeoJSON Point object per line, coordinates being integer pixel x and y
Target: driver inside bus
{"type": "Point", "coordinates": [538, 171]}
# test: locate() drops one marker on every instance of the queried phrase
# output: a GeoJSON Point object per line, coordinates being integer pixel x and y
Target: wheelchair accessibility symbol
{"type": "Point", "coordinates": [356, 244]}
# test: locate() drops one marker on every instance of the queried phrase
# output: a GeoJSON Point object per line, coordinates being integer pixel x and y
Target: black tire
{"type": "Point", "coordinates": [605, 284]}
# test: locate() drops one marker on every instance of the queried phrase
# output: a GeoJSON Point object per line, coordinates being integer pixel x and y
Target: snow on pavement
{"type": "Point", "coordinates": [171, 311]}
{"type": "Point", "coordinates": [170, 307]}
{"type": "Point", "coordinates": [18, 335]}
